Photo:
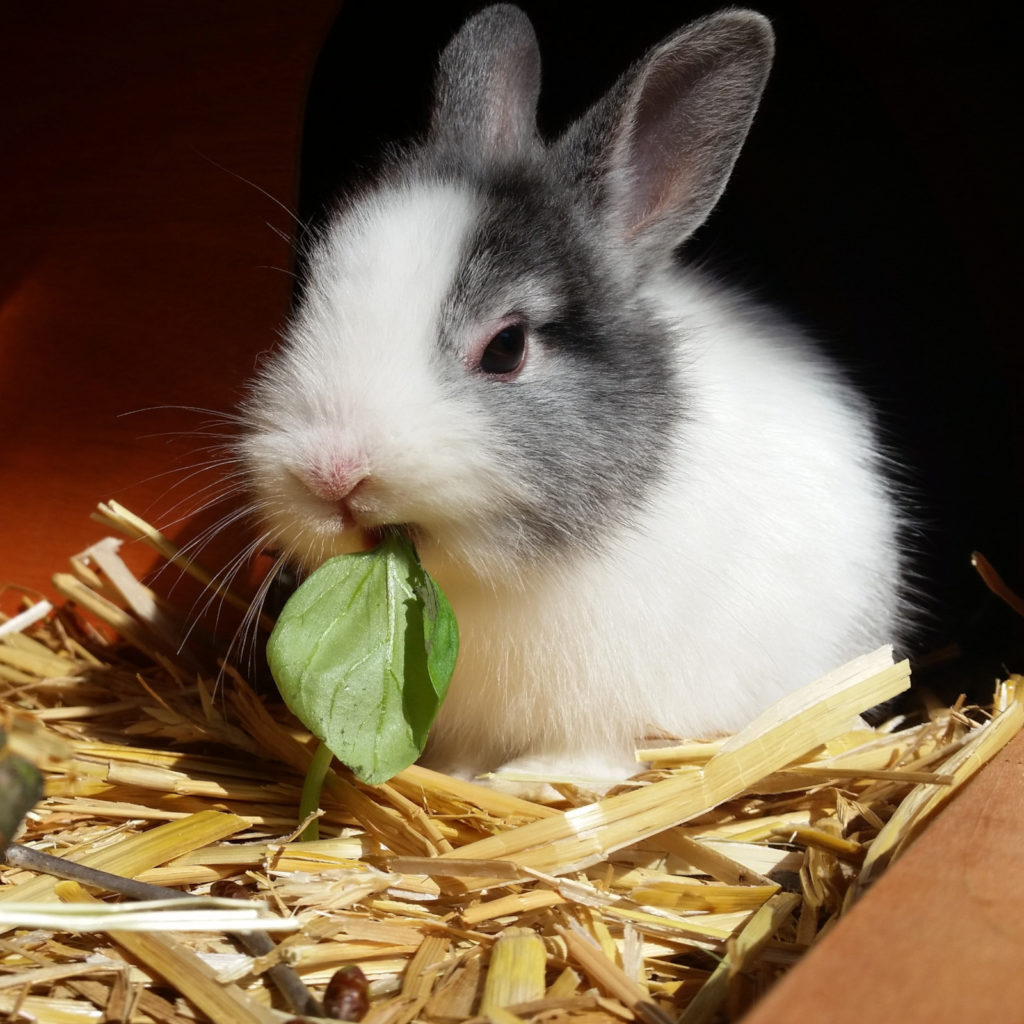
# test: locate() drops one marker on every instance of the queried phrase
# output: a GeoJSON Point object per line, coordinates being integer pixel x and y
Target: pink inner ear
{"type": "Point", "coordinates": [661, 165]}
{"type": "Point", "coordinates": [683, 124]}
{"type": "Point", "coordinates": [654, 141]}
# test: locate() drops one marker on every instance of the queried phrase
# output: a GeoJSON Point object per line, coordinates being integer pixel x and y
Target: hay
{"type": "Point", "coordinates": [682, 895]}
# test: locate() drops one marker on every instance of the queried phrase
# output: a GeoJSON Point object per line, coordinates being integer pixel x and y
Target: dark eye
{"type": "Point", "coordinates": [505, 351]}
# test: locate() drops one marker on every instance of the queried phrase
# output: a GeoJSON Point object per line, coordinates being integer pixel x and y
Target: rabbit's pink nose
{"type": "Point", "coordinates": [337, 480]}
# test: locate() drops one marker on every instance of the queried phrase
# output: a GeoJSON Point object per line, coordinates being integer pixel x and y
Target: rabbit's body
{"type": "Point", "coordinates": [654, 508]}
{"type": "Point", "coordinates": [713, 602]}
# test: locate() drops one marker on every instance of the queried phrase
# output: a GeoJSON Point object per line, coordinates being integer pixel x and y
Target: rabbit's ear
{"type": "Point", "coordinates": [488, 80]}
{"type": "Point", "coordinates": [663, 142]}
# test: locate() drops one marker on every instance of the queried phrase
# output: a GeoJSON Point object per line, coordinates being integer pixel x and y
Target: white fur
{"type": "Point", "coordinates": [356, 380]}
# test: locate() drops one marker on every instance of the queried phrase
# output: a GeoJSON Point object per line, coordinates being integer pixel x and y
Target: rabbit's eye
{"type": "Point", "coordinates": [505, 351]}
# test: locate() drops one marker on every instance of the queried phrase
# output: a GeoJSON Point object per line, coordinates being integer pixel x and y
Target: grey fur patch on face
{"type": "Point", "coordinates": [590, 429]}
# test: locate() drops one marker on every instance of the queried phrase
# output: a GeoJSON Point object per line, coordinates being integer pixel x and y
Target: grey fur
{"type": "Point", "coordinates": [485, 93]}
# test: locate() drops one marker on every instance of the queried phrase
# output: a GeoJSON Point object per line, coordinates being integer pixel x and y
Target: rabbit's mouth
{"type": "Point", "coordinates": [294, 564]}
{"type": "Point", "coordinates": [378, 534]}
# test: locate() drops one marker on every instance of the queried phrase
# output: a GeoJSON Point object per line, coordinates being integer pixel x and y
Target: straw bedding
{"type": "Point", "coordinates": [682, 896]}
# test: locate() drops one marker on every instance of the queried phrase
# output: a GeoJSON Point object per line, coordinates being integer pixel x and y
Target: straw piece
{"type": "Point", "coordinates": [418, 782]}
{"type": "Point", "coordinates": [922, 803]}
{"type": "Point", "coordinates": [845, 849]}
{"type": "Point", "coordinates": [25, 736]}
{"type": "Point", "coordinates": [399, 1010]}
{"type": "Point", "coordinates": [743, 949]}
{"type": "Point", "coordinates": [516, 971]}
{"type": "Point", "coordinates": [457, 994]}
{"type": "Point", "coordinates": [133, 854]}
{"type": "Point", "coordinates": [583, 1009]}
{"type": "Point", "coordinates": [564, 986]}
{"type": "Point", "coordinates": [815, 775]}
{"type": "Point", "coordinates": [390, 828]}
{"type": "Point", "coordinates": [425, 966]}
{"type": "Point", "coordinates": [996, 583]}
{"type": "Point", "coordinates": [417, 984]}
{"type": "Point", "coordinates": [709, 860]}
{"type": "Point", "coordinates": [118, 619]}
{"type": "Point", "coordinates": [516, 903]}
{"type": "Point", "coordinates": [30, 616]}
{"type": "Point", "coordinates": [13, 675]}
{"type": "Point", "coordinates": [415, 815]}
{"type": "Point", "coordinates": [189, 763]}
{"type": "Point", "coordinates": [586, 835]}
{"type": "Point", "coordinates": [499, 1015]}
{"type": "Point", "coordinates": [49, 1010]}
{"type": "Point", "coordinates": [468, 872]}
{"type": "Point", "coordinates": [714, 899]}
{"type": "Point", "coordinates": [706, 931]}
{"type": "Point", "coordinates": [41, 663]}
{"type": "Point", "coordinates": [119, 518]}
{"type": "Point", "coordinates": [44, 975]}
{"type": "Point", "coordinates": [825, 706]}
{"type": "Point", "coordinates": [610, 977]}
{"type": "Point", "coordinates": [166, 780]}
{"type": "Point", "coordinates": [201, 914]}
{"type": "Point", "coordinates": [681, 753]}
{"type": "Point", "coordinates": [356, 926]}
{"type": "Point", "coordinates": [140, 599]}
{"type": "Point", "coordinates": [171, 960]}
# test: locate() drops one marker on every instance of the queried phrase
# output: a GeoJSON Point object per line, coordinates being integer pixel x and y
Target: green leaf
{"type": "Point", "coordinates": [21, 788]}
{"type": "Point", "coordinates": [363, 653]}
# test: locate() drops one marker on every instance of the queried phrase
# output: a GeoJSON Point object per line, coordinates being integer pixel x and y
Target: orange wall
{"type": "Point", "coordinates": [137, 268]}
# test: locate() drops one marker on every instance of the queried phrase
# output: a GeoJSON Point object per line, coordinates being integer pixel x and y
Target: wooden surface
{"type": "Point", "coordinates": [145, 147]}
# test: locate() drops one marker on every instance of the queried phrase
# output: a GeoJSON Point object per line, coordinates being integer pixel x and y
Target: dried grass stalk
{"type": "Point", "coordinates": [516, 971]}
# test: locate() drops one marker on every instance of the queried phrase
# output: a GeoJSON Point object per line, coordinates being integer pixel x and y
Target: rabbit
{"type": "Point", "coordinates": [655, 507]}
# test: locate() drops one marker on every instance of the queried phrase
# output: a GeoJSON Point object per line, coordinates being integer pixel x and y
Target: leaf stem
{"type": "Point", "coordinates": [309, 802]}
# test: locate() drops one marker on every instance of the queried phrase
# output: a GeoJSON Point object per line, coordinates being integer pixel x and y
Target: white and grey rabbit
{"type": "Point", "coordinates": [655, 508]}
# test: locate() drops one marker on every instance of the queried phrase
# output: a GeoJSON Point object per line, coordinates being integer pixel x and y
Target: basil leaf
{"type": "Point", "coordinates": [21, 788]}
{"type": "Point", "coordinates": [363, 653]}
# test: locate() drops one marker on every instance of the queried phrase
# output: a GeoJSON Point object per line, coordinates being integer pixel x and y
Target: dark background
{"type": "Point", "coordinates": [876, 202]}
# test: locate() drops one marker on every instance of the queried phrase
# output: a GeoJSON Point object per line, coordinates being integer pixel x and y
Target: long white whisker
{"type": "Point", "coordinates": [187, 508]}
{"type": "Point", "coordinates": [262, 191]}
{"type": "Point", "coordinates": [217, 415]}
{"type": "Point", "coordinates": [214, 478]}
{"type": "Point", "coordinates": [220, 583]}
{"type": "Point", "coordinates": [247, 632]}
{"type": "Point", "coordinates": [190, 472]}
